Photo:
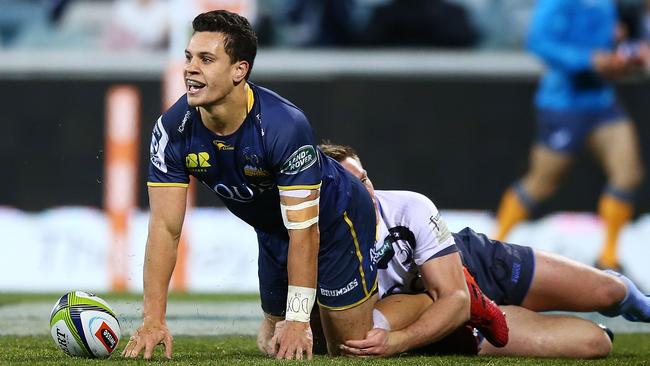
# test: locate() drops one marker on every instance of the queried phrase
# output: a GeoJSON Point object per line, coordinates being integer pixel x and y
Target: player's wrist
{"type": "Point", "coordinates": [300, 301]}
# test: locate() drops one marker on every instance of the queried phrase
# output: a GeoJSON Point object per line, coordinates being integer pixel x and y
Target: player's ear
{"type": "Point", "coordinates": [240, 71]}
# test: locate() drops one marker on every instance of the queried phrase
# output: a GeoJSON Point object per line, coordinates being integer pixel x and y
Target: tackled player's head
{"type": "Point", "coordinates": [349, 159]}
{"type": "Point", "coordinates": [219, 56]}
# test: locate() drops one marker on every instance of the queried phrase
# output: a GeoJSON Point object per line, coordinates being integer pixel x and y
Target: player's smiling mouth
{"type": "Point", "coordinates": [193, 86]}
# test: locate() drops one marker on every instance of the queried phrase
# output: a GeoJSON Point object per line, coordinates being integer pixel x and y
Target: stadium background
{"type": "Point", "coordinates": [455, 125]}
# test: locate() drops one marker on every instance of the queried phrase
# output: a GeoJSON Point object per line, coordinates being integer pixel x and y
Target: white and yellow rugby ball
{"type": "Point", "coordinates": [84, 325]}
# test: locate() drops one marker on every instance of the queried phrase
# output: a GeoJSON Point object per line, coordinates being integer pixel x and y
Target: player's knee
{"type": "Point", "coordinates": [598, 345]}
{"type": "Point", "coordinates": [610, 292]}
{"type": "Point", "coordinates": [628, 179]}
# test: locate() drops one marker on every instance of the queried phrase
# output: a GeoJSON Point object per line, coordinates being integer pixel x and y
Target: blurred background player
{"type": "Point", "coordinates": [576, 106]}
{"type": "Point", "coordinates": [509, 274]}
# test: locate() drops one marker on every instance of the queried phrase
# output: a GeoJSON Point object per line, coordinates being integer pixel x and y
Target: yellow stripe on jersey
{"type": "Point", "coordinates": [157, 184]}
{"type": "Point", "coordinates": [358, 250]}
{"type": "Point", "coordinates": [250, 100]}
{"type": "Point", "coordinates": [293, 188]}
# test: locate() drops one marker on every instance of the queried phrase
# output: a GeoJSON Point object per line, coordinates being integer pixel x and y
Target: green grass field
{"type": "Point", "coordinates": [629, 348]}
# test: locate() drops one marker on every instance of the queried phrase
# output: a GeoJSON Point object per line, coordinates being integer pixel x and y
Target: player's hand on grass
{"type": "Point", "coordinates": [146, 338]}
{"type": "Point", "coordinates": [292, 339]}
{"type": "Point", "coordinates": [265, 340]}
{"type": "Point", "coordinates": [376, 344]}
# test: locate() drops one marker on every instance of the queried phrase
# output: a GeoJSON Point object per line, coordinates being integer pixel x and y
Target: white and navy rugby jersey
{"type": "Point", "coordinates": [411, 232]}
{"type": "Point", "coordinates": [274, 149]}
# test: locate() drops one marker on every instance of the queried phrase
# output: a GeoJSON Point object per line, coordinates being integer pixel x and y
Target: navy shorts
{"type": "Point", "coordinates": [503, 271]}
{"type": "Point", "coordinates": [346, 276]}
{"type": "Point", "coordinates": [566, 131]}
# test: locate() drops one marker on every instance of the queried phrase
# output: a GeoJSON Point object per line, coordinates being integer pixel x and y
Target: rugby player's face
{"type": "Point", "coordinates": [209, 74]}
{"type": "Point", "coordinates": [354, 166]}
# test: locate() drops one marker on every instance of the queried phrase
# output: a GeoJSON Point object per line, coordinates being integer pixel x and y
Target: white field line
{"type": "Point", "coordinates": [198, 319]}
{"type": "Point", "coordinates": [183, 318]}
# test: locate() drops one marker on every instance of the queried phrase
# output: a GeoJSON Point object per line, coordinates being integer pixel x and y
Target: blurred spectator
{"type": "Point", "coordinates": [502, 24]}
{"type": "Point", "coordinates": [341, 23]}
{"type": "Point", "coordinates": [420, 23]}
{"type": "Point", "coordinates": [139, 24]}
{"type": "Point", "coordinates": [17, 16]}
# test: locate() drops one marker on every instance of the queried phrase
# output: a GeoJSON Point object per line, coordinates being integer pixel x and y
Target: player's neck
{"type": "Point", "coordinates": [225, 116]}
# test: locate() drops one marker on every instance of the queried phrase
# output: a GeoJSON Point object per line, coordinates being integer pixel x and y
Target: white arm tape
{"type": "Point", "coordinates": [301, 224]}
{"type": "Point", "coordinates": [300, 301]}
{"type": "Point", "coordinates": [297, 193]}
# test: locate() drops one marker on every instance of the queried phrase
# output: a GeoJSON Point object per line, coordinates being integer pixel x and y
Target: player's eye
{"type": "Point", "coordinates": [206, 60]}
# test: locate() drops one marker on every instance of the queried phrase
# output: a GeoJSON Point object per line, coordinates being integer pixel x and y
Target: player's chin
{"type": "Point", "coordinates": [194, 100]}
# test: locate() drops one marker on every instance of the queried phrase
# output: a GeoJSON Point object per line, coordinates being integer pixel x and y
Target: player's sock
{"type": "Point", "coordinates": [615, 209]}
{"type": "Point", "coordinates": [485, 315]}
{"type": "Point", "coordinates": [635, 306]}
{"type": "Point", "coordinates": [515, 207]}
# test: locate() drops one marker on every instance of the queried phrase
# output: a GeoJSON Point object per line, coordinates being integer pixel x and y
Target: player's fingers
{"type": "Point", "coordinates": [148, 349]}
{"type": "Point", "coordinates": [350, 350]}
{"type": "Point", "coordinates": [299, 353]}
{"type": "Point", "coordinates": [281, 351]}
{"type": "Point", "coordinates": [364, 343]}
{"type": "Point", "coordinates": [168, 342]}
{"type": "Point", "coordinates": [133, 341]}
{"type": "Point", "coordinates": [310, 353]}
{"type": "Point", "coordinates": [135, 351]}
{"type": "Point", "coordinates": [123, 354]}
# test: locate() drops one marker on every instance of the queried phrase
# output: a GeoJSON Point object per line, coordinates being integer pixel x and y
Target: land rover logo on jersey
{"type": "Point", "coordinates": [300, 160]}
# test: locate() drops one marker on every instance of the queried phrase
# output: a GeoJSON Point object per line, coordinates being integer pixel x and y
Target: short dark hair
{"type": "Point", "coordinates": [239, 36]}
{"type": "Point", "coordinates": [338, 152]}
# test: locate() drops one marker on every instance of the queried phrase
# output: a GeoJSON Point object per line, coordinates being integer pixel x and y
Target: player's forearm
{"type": "Point", "coordinates": [302, 262]}
{"type": "Point", "coordinates": [159, 262]}
{"type": "Point", "coordinates": [441, 318]}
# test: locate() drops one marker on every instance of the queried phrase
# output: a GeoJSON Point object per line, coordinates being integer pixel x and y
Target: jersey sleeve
{"type": "Point", "coordinates": [166, 166]}
{"type": "Point", "coordinates": [432, 236]}
{"type": "Point", "coordinates": [293, 155]}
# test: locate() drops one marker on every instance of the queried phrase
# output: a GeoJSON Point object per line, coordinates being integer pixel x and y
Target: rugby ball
{"type": "Point", "coordinates": [84, 325]}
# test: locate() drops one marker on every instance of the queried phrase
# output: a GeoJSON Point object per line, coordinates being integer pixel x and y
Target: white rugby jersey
{"type": "Point", "coordinates": [410, 233]}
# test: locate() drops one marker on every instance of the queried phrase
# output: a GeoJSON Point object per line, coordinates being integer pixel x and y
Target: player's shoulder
{"type": "Point", "coordinates": [405, 207]}
{"type": "Point", "coordinates": [405, 198]}
{"type": "Point", "coordinates": [175, 119]}
{"type": "Point", "coordinates": [277, 112]}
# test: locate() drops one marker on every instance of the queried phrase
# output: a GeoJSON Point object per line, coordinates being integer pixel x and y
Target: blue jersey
{"type": "Point", "coordinates": [565, 34]}
{"type": "Point", "coordinates": [274, 149]}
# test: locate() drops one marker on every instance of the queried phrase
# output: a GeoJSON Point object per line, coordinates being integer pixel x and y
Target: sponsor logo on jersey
{"type": "Point", "coordinates": [159, 141]}
{"type": "Point", "coordinates": [252, 171]}
{"type": "Point", "coordinates": [341, 291]}
{"type": "Point", "coordinates": [222, 146]}
{"type": "Point", "coordinates": [300, 160]}
{"type": "Point", "coordinates": [440, 228]}
{"type": "Point", "coordinates": [252, 168]}
{"type": "Point", "coordinates": [378, 252]}
{"type": "Point", "coordinates": [181, 128]}
{"type": "Point", "coordinates": [106, 337]}
{"type": "Point", "coordinates": [195, 162]}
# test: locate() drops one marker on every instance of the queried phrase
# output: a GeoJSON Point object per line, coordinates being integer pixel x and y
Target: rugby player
{"type": "Point", "coordinates": [526, 279]}
{"type": "Point", "coordinates": [315, 222]}
{"type": "Point", "coordinates": [576, 106]}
